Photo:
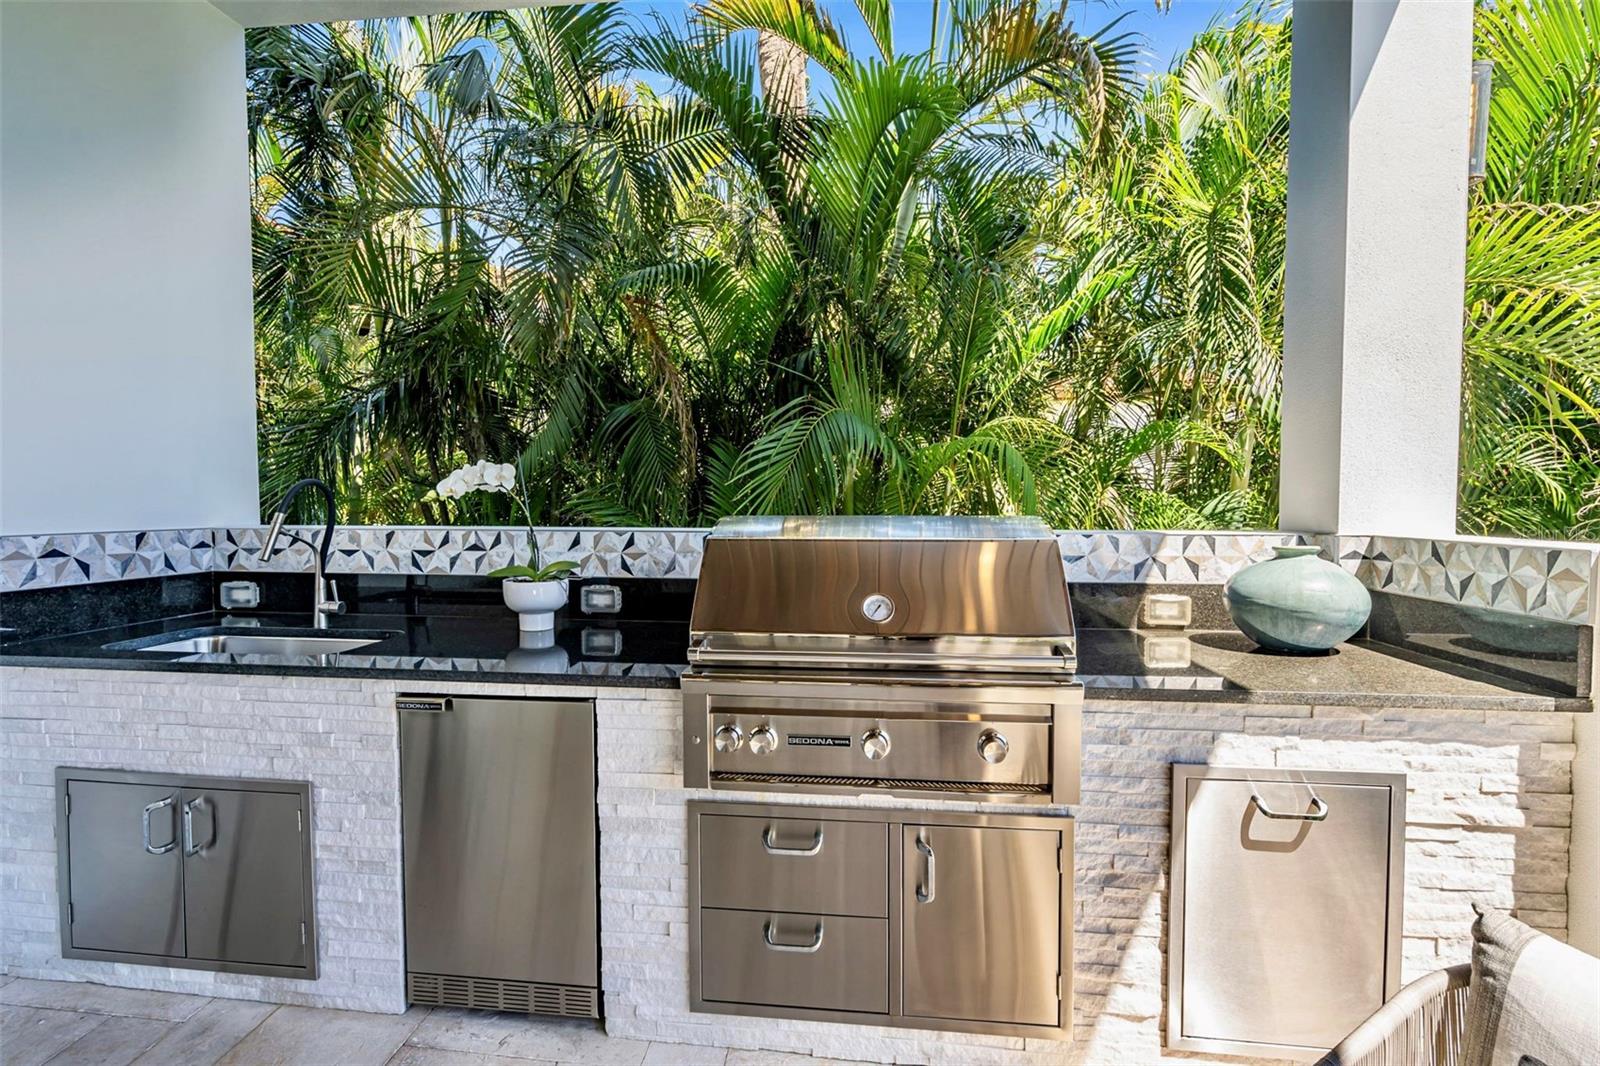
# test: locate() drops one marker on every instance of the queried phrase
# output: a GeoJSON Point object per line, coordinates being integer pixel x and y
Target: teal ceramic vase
{"type": "Point", "coordinates": [1297, 601]}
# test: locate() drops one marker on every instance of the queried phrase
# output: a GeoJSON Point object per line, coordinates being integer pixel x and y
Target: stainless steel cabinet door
{"type": "Point", "coordinates": [126, 868]}
{"type": "Point", "coordinates": [497, 800]}
{"type": "Point", "coordinates": [243, 883]}
{"type": "Point", "coordinates": [1285, 920]}
{"type": "Point", "coordinates": [981, 924]}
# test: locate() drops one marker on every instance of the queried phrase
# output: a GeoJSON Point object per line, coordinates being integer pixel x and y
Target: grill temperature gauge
{"type": "Point", "coordinates": [877, 608]}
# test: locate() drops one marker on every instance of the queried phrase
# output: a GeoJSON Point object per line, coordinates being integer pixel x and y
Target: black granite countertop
{"type": "Point", "coordinates": [1226, 666]}
{"type": "Point", "coordinates": [430, 630]}
{"type": "Point", "coordinates": [478, 647]}
{"type": "Point", "coordinates": [1113, 664]}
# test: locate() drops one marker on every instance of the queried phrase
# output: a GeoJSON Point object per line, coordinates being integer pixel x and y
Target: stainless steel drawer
{"type": "Point", "coordinates": [813, 866]}
{"type": "Point", "coordinates": [812, 961]}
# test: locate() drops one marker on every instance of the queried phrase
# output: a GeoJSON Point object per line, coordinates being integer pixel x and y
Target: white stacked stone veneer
{"type": "Point", "coordinates": [1489, 809]}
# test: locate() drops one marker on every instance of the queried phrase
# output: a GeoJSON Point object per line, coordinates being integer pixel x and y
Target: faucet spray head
{"type": "Point", "coordinates": [273, 531]}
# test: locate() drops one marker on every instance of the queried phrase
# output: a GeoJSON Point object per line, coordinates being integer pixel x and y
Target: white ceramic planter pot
{"type": "Point", "coordinates": [536, 602]}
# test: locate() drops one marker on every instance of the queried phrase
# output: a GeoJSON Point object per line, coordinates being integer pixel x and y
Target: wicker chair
{"type": "Point", "coordinates": [1423, 1025]}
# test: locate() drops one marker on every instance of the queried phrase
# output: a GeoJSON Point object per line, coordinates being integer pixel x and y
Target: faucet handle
{"type": "Point", "coordinates": [331, 603]}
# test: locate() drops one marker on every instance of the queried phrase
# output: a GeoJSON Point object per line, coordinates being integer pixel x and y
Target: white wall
{"type": "Point", "coordinates": [1376, 265]}
{"type": "Point", "coordinates": [127, 393]}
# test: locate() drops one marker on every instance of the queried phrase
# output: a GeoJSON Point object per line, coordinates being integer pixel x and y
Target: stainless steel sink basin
{"type": "Point", "coordinates": [247, 640]}
{"type": "Point", "coordinates": [260, 644]}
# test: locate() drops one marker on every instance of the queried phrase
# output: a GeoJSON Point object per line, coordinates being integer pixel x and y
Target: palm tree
{"type": "Point", "coordinates": [1531, 387]}
{"type": "Point", "coordinates": [900, 195]}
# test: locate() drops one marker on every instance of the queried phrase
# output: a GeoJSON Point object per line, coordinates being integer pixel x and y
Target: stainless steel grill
{"type": "Point", "coordinates": [903, 655]}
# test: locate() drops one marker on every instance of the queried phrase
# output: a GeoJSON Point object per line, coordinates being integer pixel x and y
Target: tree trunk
{"type": "Point", "coordinates": [783, 73]}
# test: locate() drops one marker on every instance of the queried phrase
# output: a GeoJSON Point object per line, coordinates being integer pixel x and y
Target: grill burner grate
{"type": "Point", "coordinates": [885, 783]}
{"type": "Point", "coordinates": [521, 997]}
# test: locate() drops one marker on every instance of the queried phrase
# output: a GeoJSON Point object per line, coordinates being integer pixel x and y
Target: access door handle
{"type": "Point", "coordinates": [145, 826]}
{"type": "Point", "coordinates": [189, 845]}
{"type": "Point", "coordinates": [1317, 813]}
{"type": "Point", "coordinates": [925, 890]}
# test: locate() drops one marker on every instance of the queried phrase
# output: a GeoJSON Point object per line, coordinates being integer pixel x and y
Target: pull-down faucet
{"type": "Point", "coordinates": [325, 594]}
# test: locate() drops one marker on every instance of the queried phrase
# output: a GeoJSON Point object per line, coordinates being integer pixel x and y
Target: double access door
{"type": "Point", "coordinates": [199, 873]}
{"type": "Point", "coordinates": [902, 918]}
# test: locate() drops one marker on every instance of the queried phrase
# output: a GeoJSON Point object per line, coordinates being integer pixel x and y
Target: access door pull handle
{"type": "Point", "coordinates": [1318, 811]}
{"type": "Point", "coordinates": [189, 845]}
{"type": "Point", "coordinates": [145, 826]}
{"type": "Point", "coordinates": [804, 949]}
{"type": "Point", "coordinates": [925, 890]}
{"type": "Point", "coordinates": [769, 842]}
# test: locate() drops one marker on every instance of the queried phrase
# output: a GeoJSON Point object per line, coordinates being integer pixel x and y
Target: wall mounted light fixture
{"type": "Point", "coordinates": [1477, 152]}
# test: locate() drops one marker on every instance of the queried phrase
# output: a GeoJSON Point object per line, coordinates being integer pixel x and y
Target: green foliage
{"type": "Point", "coordinates": [997, 274]}
{"type": "Point", "coordinates": [548, 572]}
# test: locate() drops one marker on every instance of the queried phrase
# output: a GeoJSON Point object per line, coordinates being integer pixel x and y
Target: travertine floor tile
{"type": "Point", "coordinates": [782, 1058]}
{"type": "Point", "coordinates": [522, 1037]}
{"type": "Point", "coordinates": [101, 999]}
{"type": "Point", "coordinates": [210, 1034]}
{"type": "Point", "coordinates": [30, 1035]}
{"type": "Point", "coordinates": [311, 1036]}
{"type": "Point", "coordinates": [432, 1056]}
{"type": "Point", "coordinates": [684, 1055]}
{"type": "Point", "coordinates": [114, 1042]}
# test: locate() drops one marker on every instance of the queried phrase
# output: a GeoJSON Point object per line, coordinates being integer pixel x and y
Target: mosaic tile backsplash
{"type": "Point", "coordinates": [1555, 581]}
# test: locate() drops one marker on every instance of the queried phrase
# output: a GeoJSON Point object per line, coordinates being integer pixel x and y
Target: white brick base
{"type": "Point", "coordinates": [1488, 813]}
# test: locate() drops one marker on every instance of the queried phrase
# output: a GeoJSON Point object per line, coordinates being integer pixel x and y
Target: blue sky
{"type": "Point", "coordinates": [1163, 33]}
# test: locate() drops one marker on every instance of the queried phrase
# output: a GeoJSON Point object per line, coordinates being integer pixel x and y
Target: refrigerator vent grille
{"type": "Point", "coordinates": [521, 997]}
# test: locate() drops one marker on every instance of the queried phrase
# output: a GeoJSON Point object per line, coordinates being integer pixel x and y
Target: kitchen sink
{"type": "Point", "coordinates": [246, 643]}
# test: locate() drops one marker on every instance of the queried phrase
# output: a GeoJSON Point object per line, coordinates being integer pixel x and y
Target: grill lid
{"type": "Point", "coordinates": [891, 591]}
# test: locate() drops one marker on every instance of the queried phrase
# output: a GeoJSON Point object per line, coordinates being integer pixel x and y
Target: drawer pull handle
{"type": "Point", "coordinates": [769, 843]}
{"type": "Point", "coordinates": [925, 890]}
{"type": "Point", "coordinates": [145, 826]}
{"type": "Point", "coordinates": [804, 949]}
{"type": "Point", "coordinates": [1318, 811]}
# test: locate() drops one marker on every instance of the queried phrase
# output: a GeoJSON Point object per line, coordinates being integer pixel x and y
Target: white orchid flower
{"type": "Point", "coordinates": [500, 477]}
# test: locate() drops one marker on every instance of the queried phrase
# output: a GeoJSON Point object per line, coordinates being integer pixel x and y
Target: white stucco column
{"type": "Point", "coordinates": [1379, 112]}
{"type": "Point", "coordinates": [127, 357]}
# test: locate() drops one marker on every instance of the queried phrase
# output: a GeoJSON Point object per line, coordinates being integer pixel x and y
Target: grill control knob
{"type": "Point", "coordinates": [875, 743]}
{"type": "Point", "coordinates": [992, 746]}
{"type": "Point", "coordinates": [763, 740]}
{"type": "Point", "coordinates": [728, 738]}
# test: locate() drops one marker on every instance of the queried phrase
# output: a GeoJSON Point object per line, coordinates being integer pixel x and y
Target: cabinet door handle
{"type": "Point", "coordinates": [925, 890]}
{"type": "Point", "coordinates": [768, 841]}
{"type": "Point", "coordinates": [804, 949]}
{"type": "Point", "coordinates": [189, 846]}
{"type": "Point", "coordinates": [145, 826]}
{"type": "Point", "coordinates": [1318, 811]}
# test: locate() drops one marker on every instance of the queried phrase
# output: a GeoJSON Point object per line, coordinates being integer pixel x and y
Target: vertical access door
{"type": "Point", "coordinates": [1286, 906]}
{"type": "Point", "coordinates": [981, 924]}
{"type": "Point", "coordinates": [125, 868]}
{"type": "Point", "coordinates": [244, 886]}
